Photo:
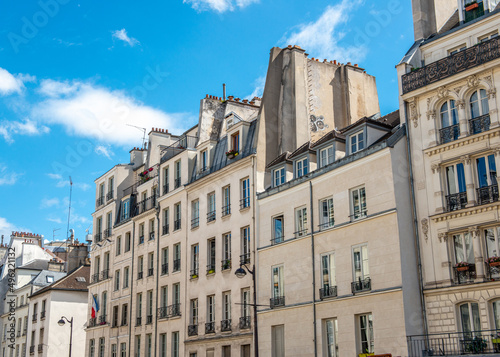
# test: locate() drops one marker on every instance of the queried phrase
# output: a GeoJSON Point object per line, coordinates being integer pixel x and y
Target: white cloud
{"type": "Point", "coordinates": [49, 202]}
{"type": "Point", "coordinates": [104, 151]}
{"type": "Point", "coordinates": [55, 220]}
{"type": "Point", "coordinates": [53, 88]}
{"type": "Point", "coordinates": [64, 182]}
{"type": "Point", "coordinates": [9, 83]}
{"type": "Point", "coordinates": [6, 229]}
{"type": "Point", "coordinates": [122, 35]}
{"type": "Point", "coordinates": [55, 176]}
{"type": "Point", "coordinates": [26, 127]}
{"type": "Point", "coordinates": [321, 38]}
{"type": "Point", "coordinates": [102, 114]}
{"type": "Point", "coordinates": [8, 177]}
{"type": "Point", "coordinates": [218, 5]}
{"type": "Point", "coordinates": [258, 91]}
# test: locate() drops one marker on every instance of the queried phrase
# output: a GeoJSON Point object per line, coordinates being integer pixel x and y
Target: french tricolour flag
{"type": "Point", "coordinates": [95, 307]}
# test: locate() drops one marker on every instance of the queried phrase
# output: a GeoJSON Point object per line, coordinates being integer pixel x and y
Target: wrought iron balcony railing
{"type": "Point", "coordinates": [456, 201]}
{"type": "Point", "coordinates": [361, 285]}
{"type": "Point", "coordinates": [165, 229]}
{"type": "Point", "coordinates": [164, 268]}
{"type": "Point", "coordinates": [226, 210]}
{"type": "Point", "coordinates": [93, 322]}
{"type": "Point", "coordinates": [458, 62]}
{"type": "Point", "coordinates": [151, 235]}
{"type": "Point", "coordinates": [226, 264]}
{"type": "Point", "coordinates": [449, 134]}
{"type": "Point", "coordinates": [177, 265]}
{"type": "Point", "coordinates": [487, 194]}
{"type": "Point", "coordinates": [151, 271]}
{"type": "Point", "coordinates": [194, 273]}
{"type": "Point", "coordinates": [42, 315]}
{"type": "Point", "coordinates": [177, 182]}
{"type": "Point", "coordinates": [95, 278]}
{"type": "Point", "coordinates": [177, 224]}
{"type": "Point", "coordinates": [144, 205]}
{"type": "Point", "coordinates": [210, 327]}
{"type": "Point", "coordinates": [34, 317]}
{"type": "Point", "coordinates": [102, 320]}
{"type": "Point", "coordinates": [98, 237]}
{"type": "Point", "coordinates": [193, 330]}
{"type": "Point", "coordinates": [32, 349]}
{"type": "Point", "coordinates": [277, 240]}
{"type": "Point", "coordinates": [107, 232]}
{"type": "Point", "coordinates": [479, 124]}
{"type": "Point", "coordinates": [464, 274]}
{"type": "Point", "coordinates": [140, 275]}
{"type": "Point", "coordinates": [138, 321]}
{"type": "Point", "coordinates": [245, 322]}
{"type": "Point", "coordinates": [195, 222]}
{"type": "Point", "coordinates": [174, 310]}
{"type": "Point", "coordinates": [110, 195]}
{"type": "Point", "coordinates": [211, 216]}
{"type": "Point", "coordinates": [245, 258]}
{"type": "Point", "coordinates": [277, 301]}
{"type": "Point", "coordinates": [185, 142]}
{"type": "Point", "coordinates": [40, 347]}
{"type": "Point", "coordinates": [326, 225]}
{"type": "Point", "coordinates": [141, 239]}
{"type": "Point", "coordinates": [245, 202]}
{"type": "Point", "coordinates": [99, 201]}
{"type": "Point", "coordinates": [165, 189]}
{"type": "Point", "coordinates": [225, 325]}
{"type": "Point", "coordinates": [327, 292]}
{"type": "Point", "coordinates": [455, 344]}
{"type": "Point", "coordinates": [211, 268]}
{"type": "Point", "coordinates": [149, 319]}
{"type": "Point", "coordinates": [105, 274]}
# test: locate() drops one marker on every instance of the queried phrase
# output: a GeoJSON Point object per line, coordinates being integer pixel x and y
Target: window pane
{"type": "Point", "coordinates": [492, 170]}
{"type": "Point", "coordinates": [459, 249]}
{"type": "Point", "coordinates": [461, 178]}
{"type": "Point", "coordinates": [481, 172]}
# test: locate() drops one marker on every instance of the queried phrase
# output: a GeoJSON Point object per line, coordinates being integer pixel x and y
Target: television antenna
{"type": "Point", "coordinates": [69, 208]}
{"type": "Point", "coordinates": [143, 133]}
{"type": "Point", "coordinates": [54, 233]}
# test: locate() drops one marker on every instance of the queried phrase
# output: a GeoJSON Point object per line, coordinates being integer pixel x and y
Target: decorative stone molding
{"type": "Point", "coordinates": [467, 212]}
{"type": "Point", "coordinates": [431, 114]}
{"type": "Point", "coordinates": [462, 142]}
{"type": "Point", "coordinates": [425, 228]}
{"type": "Point", "coordinates": [442, 237]}
{"type": "Point", "coordinates": [474, 231]}
{"type": "Point", "coordinates": [465, 159]}
{"type": "Point", "coordinates": [461, 104]}
{"type": "Point", "coordinates": [436, 168]}
{"type": "Point", "coordinates": [492, 93]}
{"type": "Point", "coordinates": [442, 92]}
{"type": "Point", "coordinates": [472, 81]}
{"type": "Point", "coordinates": [412, 103]}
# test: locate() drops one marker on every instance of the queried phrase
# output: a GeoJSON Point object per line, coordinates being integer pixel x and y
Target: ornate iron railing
{"type": "Point", "coordinates": [211, 216]}
{"type": "Point", "coordinates": [165, 189]}
{"type": "Point", "coordinates": [327, 292]}
{"type": "Point", "coordinates": [95, 278]}
{"type": "Point", "coordinates": [277, 240]}
{"type": "Point", "coordinates": [149, 319]}
{"type": "Point", "coordinates": [479, 124]}
{"type": "Point", "coordinates": [465, 274]}
{"type": "Point", "coordinates": [194, 273]}
{"type": "Point", "coordinates": [193, 330]}
{"type": "Point", "coordinates": [245, 258]}
{"type": "Point", "coordinates": [211, 268]}
{"type": "Point", "coordinates": [226, 210]}
{"type": "Point", "coordinates": [151, 235]}
{"type": "Point", "coordinates": [107, 232]}
{"type": "Point", "coordinates": [177, 182]}
{"type": "Point", "coordinates": [458, 62]}
{"type": "Point", "coordinates": [164, 268]}
{"type": "Point", "coordinates": [165, 229]}
{"type": "Point", "coordinates": [487, 194]}
{"type": "Point", "coordinates": [225, 325]}
{"type": "Point", "coordinates": [456, 201]}
{"type": "Point", "coordinates": [185, 142]}
{"type": "Point", "coordinates": [177, 265]}
{"type": "Point", "coordinates": [93, 322]}
{"type": "Point", "coordinates": [177, 224]}
{"type": "Point", "coordinates": [361, 285]}
{"type": "Point", "coordinates": [277, 301]}
{"type": "Point", "coordinates": [245, 202]}
{"type": "Point", "coordinates": [140, 275]}
{"type": "Point", "coordinates": [210, 327]}
{"type": "Point", "coordinates": [226, 264]}
{"type": "Point", "coordinates": [195, 222]}
{"type": "Point", "coordinates": [138, 321]}
{"type": "Point", "coordinates": [144, 205]}
{"type": "Point", "coordinates": [449, 134]}
{"type": "Point", "coordinates": [100, 201]}
{"type": "Point", "coordinates": [151, 271]}
{"type": "Point", "coordinates": [110, 195]}
{"type": "Point", "coordinates": [245, 322]}
{"type": "Point", "coordinates": [105, 274]}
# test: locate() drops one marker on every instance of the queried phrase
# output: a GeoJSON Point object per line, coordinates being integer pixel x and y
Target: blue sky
{"type": "Point", "coordinates": [74, 73]}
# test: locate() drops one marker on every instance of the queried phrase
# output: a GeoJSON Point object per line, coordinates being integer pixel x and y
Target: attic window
{"type": "Point", "coordinates": [235, 142]}
{"type": "Point", "coordinates": [357, 142]}
{"type": "Point", "coordinates": [50, 279]}
{"type": "Point", "coordinates": [81, 279]}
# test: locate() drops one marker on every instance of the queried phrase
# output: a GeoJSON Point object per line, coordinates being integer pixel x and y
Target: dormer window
{"type": "Point", "coordinates": [326, 156]}
{"type": "Point", "coordinates": [279, 176]}
{"type": "Point", "coordinates": [357, 142]}
{"type": "Point", "coordinates": [235, 141]}
{"type": "Point", "coordinates": [302, 167]}
{"type": "Point", "coordinates": [204, 160]}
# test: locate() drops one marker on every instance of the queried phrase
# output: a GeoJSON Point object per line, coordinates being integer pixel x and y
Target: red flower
{"type": "Point", "coordinates": [150, 169]}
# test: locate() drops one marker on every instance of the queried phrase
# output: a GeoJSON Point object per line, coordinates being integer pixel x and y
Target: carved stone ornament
{"type": "Point", "coordinates": [492, 93]}
{"type": "Point", "coordinates": [412, 103]}
{"type": "Point", "coordinates": [425, 228]}
{"type": "Point", "coordinates": [442, 92]}
{"type": "Point", "coordinates": [474, 231]}
{"type": "Point", "coordinates": [461, 104]}
{"type": "Point", "coordinates": [442, 237]}
{"type": "Point", "coordinates": [472, 81]}
{"type": "Point", "coordinates": [465, 159]}
{"type": "Point", "coordinates": [431, 114]}
{"type": "Point", "coordinates": [435, 168]}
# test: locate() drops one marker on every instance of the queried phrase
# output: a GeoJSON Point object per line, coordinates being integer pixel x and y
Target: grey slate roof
{"type": "Point", "coordinates": [41, 278]}
{"type": "Point", "coordinates": [37, 264]}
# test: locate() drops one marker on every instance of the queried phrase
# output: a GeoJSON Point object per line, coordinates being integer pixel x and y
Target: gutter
{"type": "Point", "coordinates": [131, 279]}
{"type": "Point", "coordinates": [313, 266]}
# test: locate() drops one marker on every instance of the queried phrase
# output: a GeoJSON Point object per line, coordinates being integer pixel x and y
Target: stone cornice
{"type": "Point", "coordinates": [465, 212]}
{"type": "Point", "coordinates": [462, 142]}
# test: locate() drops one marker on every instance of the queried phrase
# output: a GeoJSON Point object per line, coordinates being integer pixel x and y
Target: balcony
{"type": "Point", "coordinates": [361, 285]}
{"type": "Point", "coordinates": [454, 344]}
{"type": "Point", "coordinates": [138, 321]}
{"type": "Point", "coordinates": [164, 269]}
{"type": "Point", "coordinates": [300, 233]}
{"type": "Point", "coordinates": [210, 327]}
{"type": "Point", "coordinates": [177, 183]}
{"type": "Point", "coordinates": [245, 258]}
{"type": "Point", "coordinates": [98, 237]}
{"type": "Point", "coordinates": [151, 271]}
{"type": "Point", "coordinates": [185, 142]}
{"type": "Point", "coordinates": [166, 189]}
{"type": "Point", "coordinates": [177, 224]}
{"type": "Point", "coordinates": [226, 210]}
{"type": "Point", "coordinates": [211, 216]}
{"type": "Point", "coordinates": [195, 222]}
{"type": "Point", "coordinates": [105, 274]}
{"type": "Point", "coordinates": [456, 201]}
{"type": "Point", "coordinates": [277, 240]}
{"type": "Point", "coordinates": [34, 317]}
{"type": "Point", "coordinates": [107, 232]}
{"type": "Point", "coordinates": [140, 275]}
{"type": "Point", "coordinates": [449, 134]}
{"type": "Point", "coordinates": [100, 201]}
{"type": "Point", "coordinates": [151, 235]}
{"type": "Point", "coordinates": [326, 225]}
{"type": "Point", "coordinates": [149, 319]}
{"type": "Point", "coordinates": [487, 194]}
{"type": "Point", "coordinates": [141, 239]}
{"type": "Point", "coordinates": [194, 273]}
{"type": "Point", "coordinates": [40, 347]}
{"type": "Point", "coordinates": [162, 312]}
{"type": "Point", "coordinates": [464, 274]}
{"type": "Point", "coordinates": [110, 195]}
{"type": "Point", "coordinates": [42, 315]}
{"type": "Point", "coordinates": [458, 62]}
{"type": "Point", "coordinates": [32, 350]}
{"type": "Point", "coordinates": [327, 292]}
{"type": "Point", "coordinates": [225, 325]}
{"type": "Point", "coordinates": [102, 320]}
{"type": "Point", "coordinates": [245, 203]}
{"type": "Point", "coordinates": [210, 268]}
{"type": "Point", "coordinates": [277, 301]}
{"type": "Point", "coordinates": [24, 332]}
{"type": "Point", "coordinates": [165, 229]}
{"type": "Point", "coordinates": [92, 322]}
{"type": "Point", "coordinates": [174, 310]}
{"type": "Point", "coordinates": [144, 205]}
{"type": "Point", "coordinates": [226, 264]}
{"type": "Point", "coordinates": [479, 124]}
{"type": "Point", "coordinates": [245, 323]}
{"type": "Point", "coordinates": [177, 265]}
{"type": "Point", "coordinates": [193, 330]}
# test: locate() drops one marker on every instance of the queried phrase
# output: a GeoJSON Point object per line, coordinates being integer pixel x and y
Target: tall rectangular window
{"type": "Point", "coordinates": [118, 245]}
{"type": "Point", "coordinates": [149, 345]}
{"type": "Point", "coordinates": [361, 270]}
{"type": "Point", "coordinates": [245, 302]}
{"type": "Point", "coordinates": [211, 214]}
{"type": "Point", "coordinates": [109, 224]}
{"type": "Point", "coordinates": [226, 305]}
{"type": "Point", "coordinates": [211, 308]}
{"type": "Point", "coordinates": [166, 221]}
{"type": "Point", "coordinates": [163, 345]}
{"type": "Point", "coordinates": [278, 341]}
{"type": "Point", "coordinates": [151, 263]}
{"type": "Point", "coordinates": [245, 245]}
{"type": "Point", "coordinates": [279, 176]}
{"type": "Point", "coordinates": [124, 314]}
{"type": "Point", "coordinates": [211, 256]}
{"type": "Point", "coordinates": [245, 193]}
{"type": "Point", "coordinates": [326, 218]}
{"type": "Point", "coordinates": [326, 156]}
{"type": "Point", "coordinates": [164, 296]}
{"type": "Point", "coordinates": [141, 233]}
{"type": "Point", "coordinates": [127, 242]}
{"type": "Point", "coordinates": [151, 229]}
{"type": "Point", "coordinates": [278, 286]}
{"type": "Point", "coordinates": [166, 180]}
{"type": "Point", "coordinates": [102, 346]}
{"type": "Point", "coordinates": [226, 200]}
{"type": "Point", "coordinates": [330, 344]}
{"type": "Point", "coordinates": [138, 346]}
{"type": "Point", "coordinates": [329, 283]}
{"type": "Point", "coordinates": [358, 203]}
{"type": "Point", "coordinates": [177, 214]}
{"type": "Point", "coordinates": [175, 344]}
{"type": "Point", "coordinates": [176, 292]}
{"type": "Point", "coordinates": [117, 280]}
{"type": "Point", "coordinates": [204, 160]}
{"type": "Point", "coordinates": [302, 167]}
{"type": "Point", "coordinates": [278, 230]}
{"type": "Point", "coordinates": [300, 222]}
{"type": "Point", "coordinates": [195, 214]}
{"type": "Point", "coordinates": [116, 317]}
{"type": "Point", "coordinates": [125, 214]}
{"type": "Point", "coordinates": [140, 267]}
{"type": "Point", "coordinates": [177, 183]}
{"type": "Point", "coordinates": [195, 260]}
{"type": "Point", "coordinates": [177, 257]}
{"type": "Point", "coordinates": [139, 309]}
{"type": "Point", "coordinates": [91, 345]}
{"type": "Point", "coordinates": [226, 251]}
{"type": "Point", "coordinates": [235, 142]}
{"type": "Point", "coordinates": [365, 328]}
{"type": "Point", "coordinates": [193, 315]}
{"type": "Point", "coordinates": [164, 261]}
{"type": "Point", "coordinates": [464, 252]}
{"type": "Point", "coordinates": [125, 277]}
{"type": "Point", "coordinates": [357, 142]}
{"type": "Point", "coordinates": [123, 349]}
{"type": "Point", "coordinates": [149, 307]}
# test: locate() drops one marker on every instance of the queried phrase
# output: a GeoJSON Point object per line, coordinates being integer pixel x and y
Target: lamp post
{"type": "Point", "coordinates": [241, 273]}
{"type": "Point", "coordinates": [61, 323]}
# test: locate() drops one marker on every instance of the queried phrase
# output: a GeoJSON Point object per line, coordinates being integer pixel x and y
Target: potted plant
{"type": "Point", "coordinates": [227, 264]}
{"type": "Point", "coordinates": [194, 276]}
{"type": "Point", "coordinates": [231, 154]}
{"type": "Point", "coordinates": [471, 6]}
{"type": "Point", "coordinates": [462, 266]}
{"type": "Point", "coordinates": [493, 261]}
{"type": "Point", "coordinates": [211, 271]}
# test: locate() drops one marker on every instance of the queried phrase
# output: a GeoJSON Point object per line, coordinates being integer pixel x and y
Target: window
{"type": "Point", "coordinates": [245, 350]}
{"type": "Point", "coordinates": [91, 345]}
{"type": "Point", "coordinates": [357, 141]}
{"type": "Point", "coordinates": [358, 203]}
{"type": "Point", "coordinates": [245, 245]}
{"type": "Point", "coordinates": [204, 160]}
{"type": "Point", "coordinates": [166, 180]}
{"type": "Point", "coordinates": [117, 280]}
{"type": "Point", "coordinates": [176, 293]}
{"type": "Point", "coordinates": [491, 236]}
{"type": "Point", "coordinates": [488, 37]}
{"type": "Point", "coordinates": [366, 333]}
{"type": "Point", "coordinates": [98, 235]}
{"type": "Point", "coordinates": [123, 349]}
{"type": "Point", "coordinates": [151, 264]}
{"type": "Point", "coordinates": [245, 303]}
{"type": "Point", "coordinates": [469, 318]}
{"type": "Point", "coordinates": [164, 296]}
{"type": "Point", "coordinates": [177, 257]}
{"type": "Point", "coordinates": [211, 256]}
{"type": "Point", "coordinates": [245, 193]}
{"type": "Point", "coordinates": [302, 167]}
{"type": "Point", "coordinates": [140, 267]}
{"type": "Point", "coordinates": [166, 223]}
{"type": "Point", "coordinates": [118, 245]}
{"type": "Point", "coordinates": [125, 214]}
{"type": "Point", "coordinates": [102, 346]}
{"type": "Point", "coordinates": [141, 233]}
{"type": "Point", "coordinates": [101, 194]}
{"type": "Point", "coordinates": [193, 312]}
{"type": "Point", "coordinates": [226, 351]}
{"type": "Point", "coordinates": [279, 176]}
{"type": "Point", "coordinates": [226, 251]}
{"type": "Point", "coordinates": [164, 261]}
{"type": "Point", "coordinates": [278, 341]}
{"type": "Point", "coordinates": [235, 142]}
{"type": "Point", "coordinates": [361, 270]}
{"type": "Point", "coordinates": [457, 49]}
{"type": "Point", "coordinates": [326, 218]}
{"type": "Point", "coordinates": [127, 242]}
{"type": "Point", "coordinates": [486, 171]}
{"type": "Point", "coordinates": [479, 103]}
{"type": "Point", "coordinates": [195, 213]}
{"type": "Point", "coordinates": [177, 182]}
{"type": "Point", "coordinates": [124, 314]}
{"type": "Point", "coordinates": [326, 156]}
{"type": "Point", "coordinates": [125, 277]}
{"type": "Point", "coordinates": [175, 344]}
{"type": "Point", "coordinates": [464, 252]}
{"type": "Point", "coordinates": [104, 306]}
{"type": "Point", "coordinates": [449, 122]}
{"type": "Point", "coordinates": [278, 287]}
{"type": "Point", "coordinates": [211, 308]}
{"type": "Point", "coordinates": [226, 201]}
{"type": "Point", "coordinates": [113, 350]}
{"type": "Point", "coordinates": [195, 260]}
{"type": "Point", "coordinates": [177, 214]}
{"type": "Point", "coordinates": [496, 314]}
{"type": "Point", "coordinates": [149, 307]}
{"type": "Point", "coordinates": [138, 346]}
{"type": "Point", "coordinates": [300, 222]}
{"type": "Point", "coordinates": [109, 224]}
{"type": "Point", "coordinates": [139, 308]}
{"type": "Point", "coordinates": [151, 229]}
{"type": "Point", "coordinates": [115, 316]}
{"type": "Point", "coordinates": [211, 207]}
{"type": "Point", "coordinates": [163, 345]}
{"type": "Point", "coordinates": [330, 345]}
{"type": "Point", "coordinates": [455, 179]}
{"type": "Point", "coordinates": [328, 275]}
{"type": "Point", "coordinates": [226, 306]}
{"type": "Point", "coordinates": [278, 226]}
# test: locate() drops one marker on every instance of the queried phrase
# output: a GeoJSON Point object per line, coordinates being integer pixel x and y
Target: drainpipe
{"type": "Point", "coordinates": [254, 210]}
{"type": "Point", "coordinates": [313, 268]}
{"type": "Point", "coordinates": [157, 269]}
{"type": "Point", "coordinates": [415, 226]}
{"type": "Point", "coordinates": [131, 277]}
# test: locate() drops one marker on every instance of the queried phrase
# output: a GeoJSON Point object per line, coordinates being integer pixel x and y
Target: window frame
{"type": "Point", "coordinates": [281, 179]}
{"type": "Point", "coordinates": [362, 213]}
{"type": "Point", "coordinates": [302, 166]}
{"type": "Point", "coordinates": [355, 147]}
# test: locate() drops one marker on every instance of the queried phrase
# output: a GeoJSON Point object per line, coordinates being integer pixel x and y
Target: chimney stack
{"type": "Point", "coordinates": [223, 91]}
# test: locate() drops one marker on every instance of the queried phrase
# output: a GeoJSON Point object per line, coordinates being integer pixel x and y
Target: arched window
{"type": "Point", "coordinates": [469, 318]}
{"type": "Point", "coordinates": [496, 314]}
{"type": "Point", "coordinates": [450, 129]}
{"type": "Point", "coordinates": [479, 111]}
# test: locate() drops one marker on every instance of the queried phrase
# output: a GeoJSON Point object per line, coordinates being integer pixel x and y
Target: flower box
{"type": "Point", "coordinates": [494, 264]}
{"type": "Point", "coordinates": [365, 354]}
{"type": "Point", "coordinates": [462, 268]}
{"type": "Point", "coordinates": [472, 7]}
{"type": "Point", "coordinates": [231, 154]}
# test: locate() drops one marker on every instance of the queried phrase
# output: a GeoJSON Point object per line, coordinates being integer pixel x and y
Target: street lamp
{"type": "Point", "coordinates": [61, 323]}
{"type": "Point", "coordinates": [241, 273]}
